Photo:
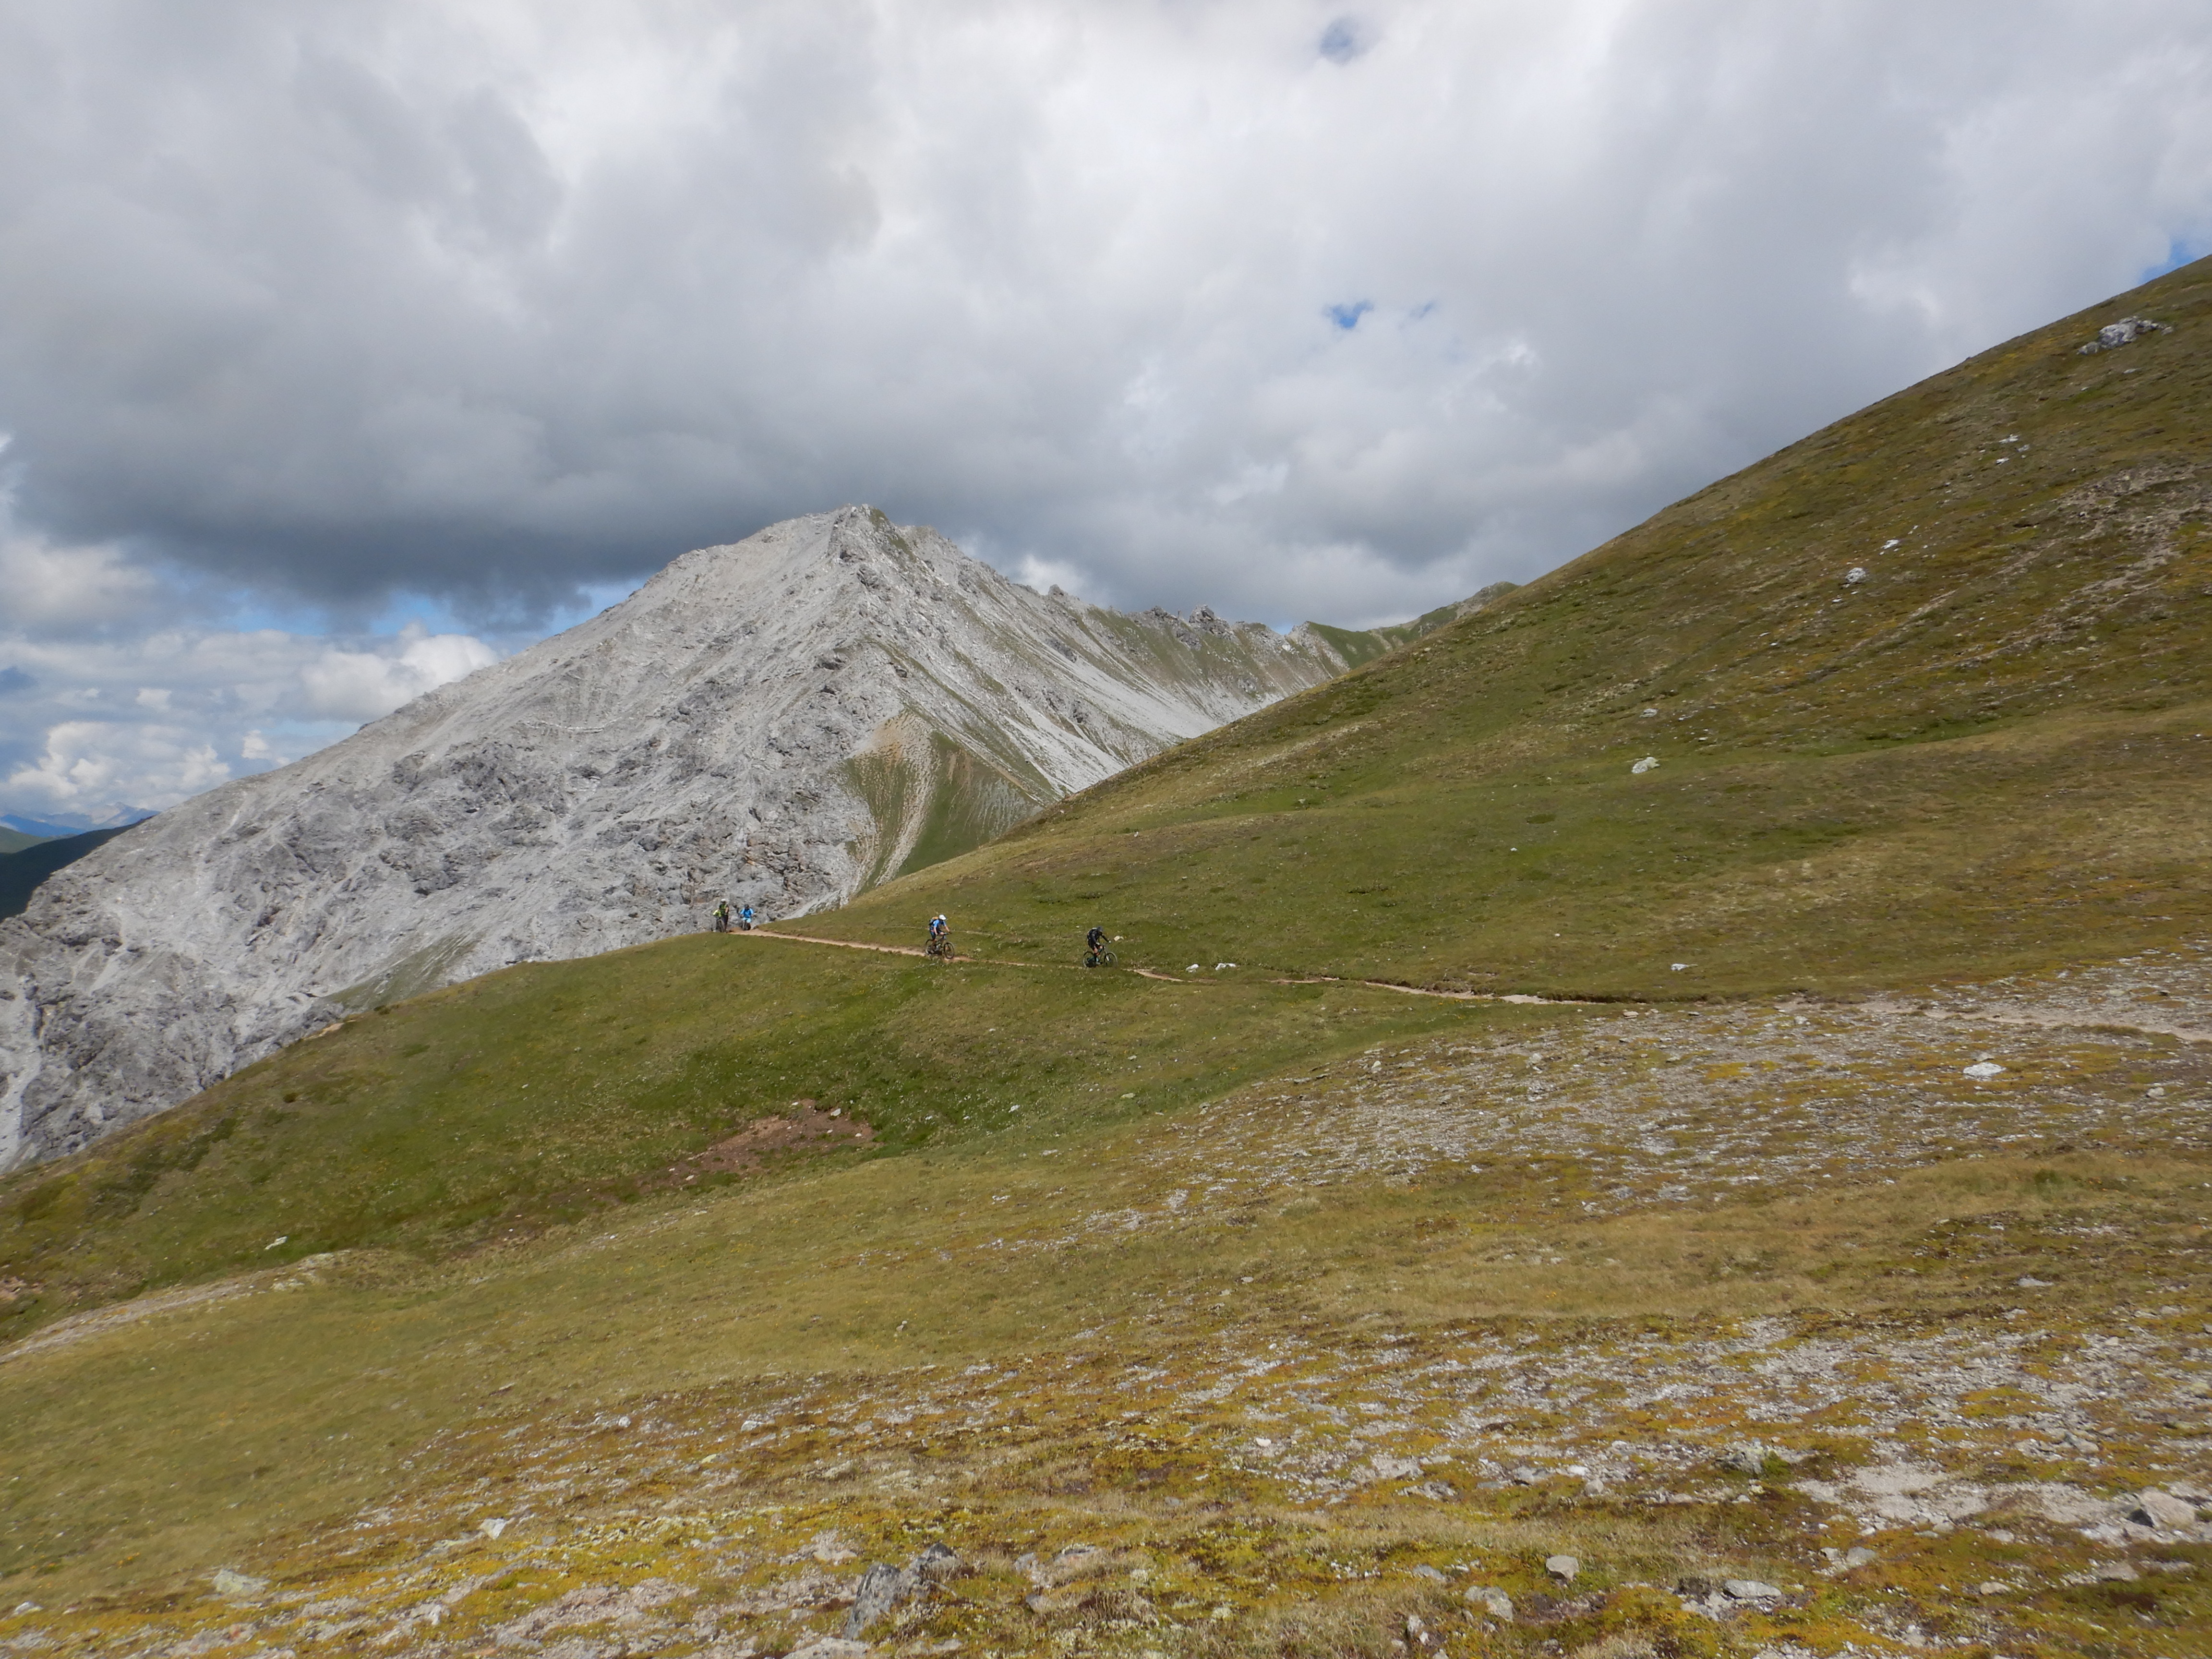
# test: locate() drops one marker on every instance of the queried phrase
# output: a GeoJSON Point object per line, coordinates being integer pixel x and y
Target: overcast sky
{"type": "Point", "coordinates": [346, 343]}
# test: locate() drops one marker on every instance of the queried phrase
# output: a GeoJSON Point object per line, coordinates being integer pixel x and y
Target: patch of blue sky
{"type": "Point", "coordinates": [1347, 316]}
{"type": "Point", "coordinates": [303, 737]}
{"type": "Point", "coordinates": [249, 612]}
{"type": "Point", "coordinates": [2177, 254]}
{"type": "Point", "coordinates": [246, 611]}
{"type": "Point", "coordinates": [1343, 40]}
{"type": "Point", "coordinates": [425, 610]}
{"type": "Point", "coordinates": [594, 598]}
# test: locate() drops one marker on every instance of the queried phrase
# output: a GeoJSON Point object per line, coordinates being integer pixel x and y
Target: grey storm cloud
{"type": "Point", "coordinates": [1293, 310]}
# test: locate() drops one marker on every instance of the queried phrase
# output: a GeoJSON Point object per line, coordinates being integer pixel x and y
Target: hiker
{"type": "Point", "coordinates": [722, 916]}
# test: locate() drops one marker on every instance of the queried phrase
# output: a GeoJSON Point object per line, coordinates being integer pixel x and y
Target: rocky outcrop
{"type": "Point", "coordinates": [2126, 332]}
{"type": "Point", "coordinates": [780, 722]}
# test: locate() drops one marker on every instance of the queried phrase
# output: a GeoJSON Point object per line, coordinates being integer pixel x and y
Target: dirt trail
{"type": "Point", "coordinates": [2046, 1011]}
{"type": "Point", "coordinates": [95, 1320]}
{"type": "Point", "coordinates": [1180, 979]}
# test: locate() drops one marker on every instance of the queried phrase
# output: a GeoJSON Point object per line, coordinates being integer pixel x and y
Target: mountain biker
{"type": "Point", "coordinates": [722, 917]}
{"type": "Point", "coordinates": [940, 937]}
{"type": "Point", "coordinates": [1094, 946]}
{"type": "Point", "coordinates": [746, 919]}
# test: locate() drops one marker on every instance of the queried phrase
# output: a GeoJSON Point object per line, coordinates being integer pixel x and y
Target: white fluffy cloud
{"type": "Point", "coordinates": [359, 685]}
{"type": "Point", "coordinates": [1336, 310]}
{"type": "Point", "coordinates": [91, 770]}
{"type": "Point", "coordinates": [1284, 306]}
{"type": "Point", "coordinates": [141, 710]}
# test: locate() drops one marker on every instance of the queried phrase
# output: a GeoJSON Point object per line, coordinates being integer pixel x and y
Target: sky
{"type": "Point", "coordinates": [347, 345]}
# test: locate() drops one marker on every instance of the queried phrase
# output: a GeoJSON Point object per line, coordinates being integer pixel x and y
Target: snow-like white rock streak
{"type": "Point", "coordinates": [781, 722]}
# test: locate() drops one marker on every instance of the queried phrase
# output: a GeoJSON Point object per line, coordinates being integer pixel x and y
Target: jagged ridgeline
{"type": "Point", "coordinates": [1925, 691]}
{"type": "Point", "coordinates": [780, 722]}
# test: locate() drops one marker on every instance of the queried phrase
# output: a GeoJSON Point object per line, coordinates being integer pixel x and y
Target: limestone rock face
{"type": "Point", "coordinates": [780, 722]}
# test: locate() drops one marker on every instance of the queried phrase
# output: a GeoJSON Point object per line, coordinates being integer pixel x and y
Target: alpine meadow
{"type": "Point", "coordinates": [1670, 1115]}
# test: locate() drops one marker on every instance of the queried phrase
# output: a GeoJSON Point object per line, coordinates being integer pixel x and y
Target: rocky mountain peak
{"type": "Point", "coordinates": [780, 721]}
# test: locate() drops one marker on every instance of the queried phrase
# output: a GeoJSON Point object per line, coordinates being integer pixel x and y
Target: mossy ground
{"type": "Point", "coordinates": [1461, 1298]}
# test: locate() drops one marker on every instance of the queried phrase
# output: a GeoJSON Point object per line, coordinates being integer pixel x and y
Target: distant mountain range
{"type": "Point", "coordinates": [72, 823]}
{"type": "Point", "coordinates": [780, 722]}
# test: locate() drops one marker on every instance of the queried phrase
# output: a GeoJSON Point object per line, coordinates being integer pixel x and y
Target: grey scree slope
{"type": "Point", "coordinates": [782, 722]}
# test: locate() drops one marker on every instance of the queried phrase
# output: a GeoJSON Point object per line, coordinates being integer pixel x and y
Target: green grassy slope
{"type": "Point", "coordinates": [1278, 1288]}
{"type": "Point", "coordinates": [1986, 750]}
{"type": "Point", "coordinates": [1361, 645]}
{"type": "Point", "coordinates": [552, 1092]}
{"type": "Point", "coordinates": [1312, 1259]}
{"type": "Point", "coordinates": [14, 841]}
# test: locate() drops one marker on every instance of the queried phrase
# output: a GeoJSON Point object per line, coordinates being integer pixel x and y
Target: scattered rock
{"type": "Point", "coordinates": [882, 1588]}
{"type": "Point", "coordinates": [1693, 1586]}
{"type": "Point", "coordinates": [1859, 1556]}
{"type": "Point", "coordinates": [829, 1548]}
{"type": "Point", "coordinates": [493, 1527]}
{"type": "Point", "coordinates": [234, 1583]}
{"type": "Point", "coordinates": [1745, 1457]}
{"type": "Point", "coordinates": [1394, 1468]}
{"type": "Point", "coordinates": [1648, 763]}
{"type": "Point", "coordinates": [2154, 1507]}
{"type": "Point", "coordinates": [1076, 1561]}
{"type": "Point", "coordinates": [1424, 1571]}
{"type": "Point", "coordinates": [2126, 332]}
{"type": "Point", "coordinates": [2115, 1572]}
{"type": "Point", "coordinates": [1855, 576]}
{"type": "Point", "coordinates": [2030, 1282]}
{"type": "Point", "coordinates": [1418, 1634]}
{"type": "Point", "coordinates": [1492, 1600]}
{"type": "Point", "coordinates": [1991, 1587]}
{"type": "Point", "coordinates": [1562, 1567]}
{"type": "Point", "coordinates": [1748, 1590]}
{"type": "Point", "coordinates": [936, 1565]}
{"type": "Point", "coordinates": [830, 1647]}
{"type": "Point", "coordinates": [1985, 1069]}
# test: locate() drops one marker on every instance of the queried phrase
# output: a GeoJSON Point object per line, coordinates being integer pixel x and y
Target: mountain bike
{"type": "Point", "coordinates": [1101, 957]}
{"type": "Point", "coordinates": [941, 947]}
